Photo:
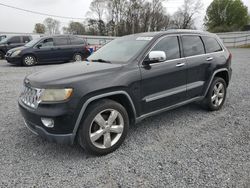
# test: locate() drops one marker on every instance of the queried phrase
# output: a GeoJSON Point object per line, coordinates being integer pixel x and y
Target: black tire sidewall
{"type": "Point", "coordinates": [23, 60]}
{"type": "Point", "coordinates": [210, 92]}
{"type": "Point", "coordinates": [91, 112]}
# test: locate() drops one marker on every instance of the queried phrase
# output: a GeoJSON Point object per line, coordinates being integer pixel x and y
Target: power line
{"type": "Point", "coordinates": [40, 13]}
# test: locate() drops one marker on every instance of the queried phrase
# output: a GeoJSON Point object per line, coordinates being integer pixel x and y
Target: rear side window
{"type": "Point", "coordinates": [26, 39]}
{"type": "Point", "coordinates": [16, 39]}
{"type": "Point", "coordinates": [61, 41]}
{"type": "Point", "coordinates": [192, 45]}
{"type": "Point", "coordinates": [170, 45]}
{"type": "Point", "coordinates": [77, 41]}
{"type": "Point", "coordinates": [211, 44]}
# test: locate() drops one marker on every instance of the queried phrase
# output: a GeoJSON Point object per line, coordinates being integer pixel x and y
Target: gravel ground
{"type": "Point", "coordinates": [186, 147]}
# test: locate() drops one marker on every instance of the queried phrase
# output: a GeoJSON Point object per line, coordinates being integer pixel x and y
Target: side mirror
{"type": "Point", "coordinates": [156, 56]}
{"type": "Point", "coordinates": [39, 46]}
{"type": "Point", "coordinates": [8, 43]}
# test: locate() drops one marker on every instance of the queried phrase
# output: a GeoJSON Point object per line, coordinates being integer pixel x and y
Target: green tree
{"type": "Point", "coordinates": [226, 15]}
{"type": "Point", "coordinates": [39, 28]}
{"type": "Point", "coordinates": [75, 28]}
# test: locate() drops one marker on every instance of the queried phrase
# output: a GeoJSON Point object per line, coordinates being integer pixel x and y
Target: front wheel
{"type": "Point", "coordinates": [104, 127]}
{"type": "Point", "coordinates": [216, 94]}
{"type": "Point", "coordinates": [29, 60]}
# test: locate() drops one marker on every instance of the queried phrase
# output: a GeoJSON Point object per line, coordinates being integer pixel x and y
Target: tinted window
{"type": "Point", "coordinates": [14, 40]}
{"type": "Point", "coordinates": [47, 43]}
{"type": "Point", "coordinates": [170, 46]}
{"type": "Point", "coordinates": [211, 44]}
{"type": "Point", "coordinates": [76, 41]}
{"type": "Point", "coordinates": [26, 39]}
{"type": "Point", "coordinates": [192, 45]}
{"type": "Point", "coordinates": [61, 41]}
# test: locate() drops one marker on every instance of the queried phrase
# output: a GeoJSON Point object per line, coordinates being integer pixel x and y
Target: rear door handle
{"type": "Point", "coordinates": [209, 58]}
{"type": "Point", "coordinates": [180, 64]}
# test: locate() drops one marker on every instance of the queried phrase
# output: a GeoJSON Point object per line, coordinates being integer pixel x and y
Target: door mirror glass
{"type": "Point", "coordinates": [157, 56]}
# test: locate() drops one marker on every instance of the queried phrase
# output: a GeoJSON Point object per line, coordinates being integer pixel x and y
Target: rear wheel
{"type": "Point", "coordinates": [104, 127]}
{"type": "Point", "coordinates": [29, 60]}
{"type": "Point", "coordinates": [216, 94]}
{"type": "Point", "coordinates": [77, 57]}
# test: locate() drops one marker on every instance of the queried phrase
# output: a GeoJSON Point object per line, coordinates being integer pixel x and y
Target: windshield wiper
{"type": "Point", "coordinates": [99, 60]}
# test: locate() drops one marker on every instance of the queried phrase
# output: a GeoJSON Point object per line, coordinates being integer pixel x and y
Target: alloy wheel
{"type": "Point", "coordinates": [218, 94]}
{"type": "Point", "coordinates": [29, 60]}
{"type": "Point", "coordinates": [106, 129]}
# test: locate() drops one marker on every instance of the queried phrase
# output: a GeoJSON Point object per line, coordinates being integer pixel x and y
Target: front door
{"type": "Point", "coordinates": [164, 84]}
{"type": "Point", "coordinates": [45, 51]}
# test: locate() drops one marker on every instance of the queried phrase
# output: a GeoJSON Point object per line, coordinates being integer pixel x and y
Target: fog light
{"type": "Point", "coordinates": [48, 122]}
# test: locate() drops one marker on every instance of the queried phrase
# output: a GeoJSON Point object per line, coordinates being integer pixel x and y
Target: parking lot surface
{"type": "Point", "coordinates": [186, 147]}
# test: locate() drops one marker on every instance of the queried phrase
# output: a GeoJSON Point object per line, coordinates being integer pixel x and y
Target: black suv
{"type": "Point", "coordinates": [48, 50]}
{"type": "Point", "coordinates": [127, 80]}
{"type": "Point", "coordinates": [14, 41]}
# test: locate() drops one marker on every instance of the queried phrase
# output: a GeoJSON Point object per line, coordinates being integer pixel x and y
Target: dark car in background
{"type": "Point", "coordinates": [60, 48]}
{"type": "Point", "coordinates": [2, 37]}
{"type": "Point", "coordinates": [14, 41]}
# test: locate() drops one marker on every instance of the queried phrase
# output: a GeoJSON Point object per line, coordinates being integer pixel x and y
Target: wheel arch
{"type": "Point", "coordinates": [222, 73]}
{"type": "Point", "coordinates": [122, 97]}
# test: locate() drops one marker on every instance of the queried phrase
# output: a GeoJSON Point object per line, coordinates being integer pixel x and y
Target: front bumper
{"type": "Point", "coordinates": [62, 132]}
{"type": "Point", "coordinates": [14, 60]}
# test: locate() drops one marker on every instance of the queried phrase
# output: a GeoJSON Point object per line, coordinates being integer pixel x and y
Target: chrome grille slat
{"type": "Point", "coordinates": [30, 96]}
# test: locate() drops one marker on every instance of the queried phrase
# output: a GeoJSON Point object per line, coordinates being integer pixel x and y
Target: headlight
{"type": "Point", "coordinates": [55, 95]}
{"type": "Point", "coordinates": [15, 53]}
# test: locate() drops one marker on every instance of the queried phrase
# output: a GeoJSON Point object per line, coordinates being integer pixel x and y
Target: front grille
{"type": "Point", "coordinates": [31, 96]}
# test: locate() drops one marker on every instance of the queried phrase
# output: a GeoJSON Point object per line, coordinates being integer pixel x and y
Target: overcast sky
{"type": "Point", "coordinates": [17, 21]}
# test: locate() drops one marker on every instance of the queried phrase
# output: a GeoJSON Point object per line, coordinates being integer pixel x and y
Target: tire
{"type": "Point", "coordinates": [216, 95]}
{"type": "Point", "coordinates": [29, 60]}
{"type": "Point", "coordinates": [77, 57]}
{"type": "Point", "coordinates": [1, 55]}
{"type": "Point", "coordinates": [103, 137]}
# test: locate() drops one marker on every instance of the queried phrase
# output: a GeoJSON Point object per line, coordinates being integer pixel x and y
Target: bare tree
{"type": "Point", "coordinates": [52, 26]}
{"type": "Point", "coordinates": [39, 28]}
{"type": "Point", "coordinates": [184, 17]}
{"type": "Point", "coordinates": [98, 8]}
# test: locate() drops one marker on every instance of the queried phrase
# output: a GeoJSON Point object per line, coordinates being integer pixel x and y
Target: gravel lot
{"type": "Point", "coordinates": [186, 147]}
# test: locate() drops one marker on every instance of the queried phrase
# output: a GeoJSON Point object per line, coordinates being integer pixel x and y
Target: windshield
{"type": "Point", "coordinates": [120, 50]}
{"type": "Point", "coordinates": [32, 42]}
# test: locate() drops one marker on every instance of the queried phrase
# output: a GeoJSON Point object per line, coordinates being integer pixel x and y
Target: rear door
{"type": "Point", "coordinates": [198, 63]}
{"type": "Point", "coordinates": [63, 49]}
{"type": "Point", "coordinates": [164, 84]}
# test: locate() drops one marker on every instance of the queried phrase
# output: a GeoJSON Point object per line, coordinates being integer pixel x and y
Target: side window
{"type": "Point", "coordinates": [16, 39]}
{"type": "Point", "coordinates": [77, 41]}
{"type": "Point", "coordinates": [211, 44]}
{"type": "Point", "coordinates": [170, 46]}
{"type": "Point", "coordinates": [62, 41]}
{"type": "Point", "coordinates": [192, 45]}
{"type": "Point", "coordinates": [47, 43]}
{"type": "Point", "coordinates": [26, 39]}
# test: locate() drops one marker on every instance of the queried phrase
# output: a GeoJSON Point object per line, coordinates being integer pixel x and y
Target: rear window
{"type": "Point", "coordinates": [77, 41]}
{"type": "Point", "coordinates": [61, 41]}
{"type": "Point", "coordinates": [192, 45]}
{"type": "Point", "coordinates": [211, 44]}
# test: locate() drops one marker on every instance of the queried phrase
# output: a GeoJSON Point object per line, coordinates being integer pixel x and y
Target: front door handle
{"type": "Point", "coordinates": [209, 58]}
{"type": "Point", "coordinates": [180, 64]}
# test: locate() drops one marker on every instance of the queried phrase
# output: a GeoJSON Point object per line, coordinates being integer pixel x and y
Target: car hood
{"type": "Point", "coordinates": [18, 48]}
{"type": "Point", "coordinates": [65, 75]}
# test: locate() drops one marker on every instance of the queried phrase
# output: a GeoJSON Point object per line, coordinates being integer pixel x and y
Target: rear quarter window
{"type": "Point", "coordinates": [60, 41]}
{"type": "Point", "coordinates": [192, 45]}
{"type": "Point", "coordinates": [77, 41]}
{"type": "Point", "coordinates": [211, 44]}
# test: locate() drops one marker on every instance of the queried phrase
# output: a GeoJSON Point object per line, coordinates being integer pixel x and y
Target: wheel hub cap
{"type": "Point", "coordinates": [218, 94]}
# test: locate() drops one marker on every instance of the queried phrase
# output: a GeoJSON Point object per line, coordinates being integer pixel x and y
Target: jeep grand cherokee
{"type": "Point", "coordinates": [127, 80]}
